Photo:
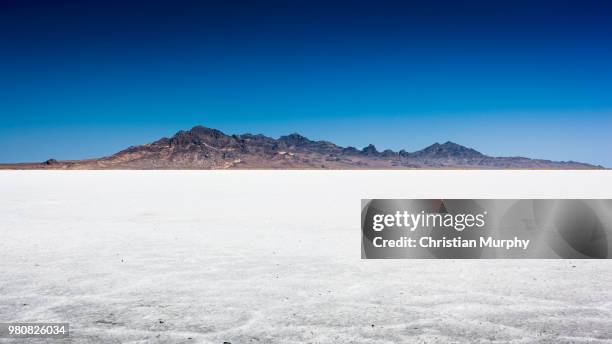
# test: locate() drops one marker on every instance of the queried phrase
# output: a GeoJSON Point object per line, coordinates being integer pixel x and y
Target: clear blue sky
{"type": "Point", "coordinates": [89, 78]}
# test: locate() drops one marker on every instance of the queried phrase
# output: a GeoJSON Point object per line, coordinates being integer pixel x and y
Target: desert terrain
{"type": "Point", "coordinates": [274, 257]}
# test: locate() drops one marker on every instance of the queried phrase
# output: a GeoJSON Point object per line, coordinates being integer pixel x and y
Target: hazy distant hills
{"type": "Point", "coordinates": [206, 148]}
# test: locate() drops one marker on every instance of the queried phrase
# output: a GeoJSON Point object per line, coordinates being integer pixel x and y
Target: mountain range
{"type": "Point", "coordinates": [206, 148]}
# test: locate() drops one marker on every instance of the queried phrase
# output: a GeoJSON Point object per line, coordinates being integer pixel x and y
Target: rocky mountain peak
{"type": "Point", "coordinates": [447, 150]}
{"type": "Point", "coordinates": [202, 131]}
{"type": "Point", "coordinates": [370, 150]}
{"type": "Point", "coordinates": [200, 135]}
{"type": "Point", "coordinates": [295, 140]}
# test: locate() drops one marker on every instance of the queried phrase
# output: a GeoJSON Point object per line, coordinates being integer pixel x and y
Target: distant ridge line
{"type": "Point", "coordinates": [207, 148]}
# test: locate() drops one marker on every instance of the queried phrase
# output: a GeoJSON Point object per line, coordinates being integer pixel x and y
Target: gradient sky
{"type": "Point", "coordinates": [88, 78]}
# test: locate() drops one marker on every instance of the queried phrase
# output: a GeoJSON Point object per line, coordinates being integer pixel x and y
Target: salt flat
{"type": "Point", "coordinates": [274, 257]}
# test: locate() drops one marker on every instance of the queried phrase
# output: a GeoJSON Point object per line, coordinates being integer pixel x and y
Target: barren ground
{"type": "Point", "coordinates": [274, 257]}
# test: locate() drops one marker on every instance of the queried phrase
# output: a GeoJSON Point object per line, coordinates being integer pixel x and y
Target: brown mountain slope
{"type": "Point", "coordinates": [206, 148]}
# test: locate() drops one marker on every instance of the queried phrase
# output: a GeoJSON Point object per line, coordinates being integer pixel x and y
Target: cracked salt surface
{"type": "Point", "coordinates": [273, 257]}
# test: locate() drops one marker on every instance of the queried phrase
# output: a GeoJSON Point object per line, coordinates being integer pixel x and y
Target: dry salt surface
{"type": "Point", "coordinates": [274, 257]}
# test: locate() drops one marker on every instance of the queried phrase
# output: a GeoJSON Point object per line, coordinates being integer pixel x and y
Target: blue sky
{"type": "Point", "coordinates": [85, 79]}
